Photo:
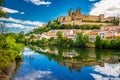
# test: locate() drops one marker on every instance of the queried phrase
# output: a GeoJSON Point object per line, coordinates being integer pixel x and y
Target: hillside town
{"type": "Point", "coordinates": [107, 30]}
{"type": "Point", "coordinates": [59, 39]}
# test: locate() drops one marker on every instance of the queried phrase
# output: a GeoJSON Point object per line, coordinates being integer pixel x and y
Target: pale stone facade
{"type": "Point", "coordinates": [77, 16]}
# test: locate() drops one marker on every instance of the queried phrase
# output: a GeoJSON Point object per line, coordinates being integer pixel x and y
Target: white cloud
{"type": "Point", "coordinates": [99, 77]}
{"type": "Point", "coordinates": [34, 23]}
{"type": "Point", "coordinates": [35, 75]}
{"type": "Point", "coordinates": [20, 26]}
{"type": "Point", "coordinates": [28, 52]}
{"type": "Point", "coordinates": [111, 71]}
{"type": "Point", "coordinates": [8, 10]}
{"type": "Point", "coordinates": [39, 2]}
{"type": "Point", "coordinates": [92, 0]}
{"type": "Point", "coordinates": [107, 7]}
{"type": "Point", "coordinates": [22, 12]}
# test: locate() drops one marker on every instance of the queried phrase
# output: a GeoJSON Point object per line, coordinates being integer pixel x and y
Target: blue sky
{"type": "Point", "coordinates": [26, 14]}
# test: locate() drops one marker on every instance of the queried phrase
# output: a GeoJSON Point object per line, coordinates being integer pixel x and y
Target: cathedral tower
{"type": "Point", "coordinates": [78, 12]}
{"type": "Point", "coordinates": [70, 12]}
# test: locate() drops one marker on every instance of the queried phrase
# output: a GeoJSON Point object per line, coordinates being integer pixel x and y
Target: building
{"type": "Point", "coordinates": [106, 32]}
{"type": "Point", "coordinates": [78, 18]}
{"type": "Point", "coordinates": [66, 33]}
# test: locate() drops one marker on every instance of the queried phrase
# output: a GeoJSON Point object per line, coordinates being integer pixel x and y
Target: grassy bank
{"type": "Point", "coordinates": [10, 49]}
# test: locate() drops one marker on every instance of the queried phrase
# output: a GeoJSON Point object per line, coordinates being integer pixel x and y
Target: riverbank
{"type": "Point", "coordinates": [10, 49]}
{"type": "Point", "coordinates": [8, 72]}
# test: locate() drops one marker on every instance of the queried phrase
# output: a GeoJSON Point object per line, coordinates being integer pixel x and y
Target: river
{"type": "Point", "coordinates": [59, 63]}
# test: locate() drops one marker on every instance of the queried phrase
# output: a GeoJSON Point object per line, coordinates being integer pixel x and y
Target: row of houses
{"type": "Point", "coordinates": [106, 32]}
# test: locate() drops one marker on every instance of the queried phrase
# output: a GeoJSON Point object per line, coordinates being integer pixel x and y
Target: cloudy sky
{"type": "Point", "coordinates": [28, 14]}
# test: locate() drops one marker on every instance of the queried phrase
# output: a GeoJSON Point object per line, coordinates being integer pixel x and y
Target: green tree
{"type": "Point", "coordinates": [2, 41]}
{"type": "Point", "coordinates": [60, 37]}
{"type": "Point", "coordinates": [2, 13]}
{"type": "Point", "coordinates": [32, 36]}
{"type": "Point", "coordinates": [81, 40]}
{"type": "Point", "coordinates": [98, 43]}
{"type": "Point", "coordinates": [3, 28]}
{"type": "Point", "coordinates": [21, 37]}
{"type": "Point", "coordinates": [106, 44]}
{"type": "Point", "coordinates": [116, 21]}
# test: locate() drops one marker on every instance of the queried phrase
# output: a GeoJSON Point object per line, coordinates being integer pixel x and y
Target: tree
{"type": "Point", "coordinates": [116, 21]}
{"type": "Point", "coordinates": [2, 41]}
{"type": "Point", "coordinates": [3, 28]}
{"type": "Point", "coordinates": [32, 36]}
{"type": "Point", "coordinates": [20, 37]}
{"type": "Point", "coordinates": [59, 34]}
{"type": "Point", "coordinates": [98, 43]}
{"type": "Point", "coordinates": [60, 37]}
{"type": "Point", "coordinates": [2, 13]}
{"type": "Point", "coordinates": [106, 44]}
{"type": "Point", "coordinates": [81, 40]}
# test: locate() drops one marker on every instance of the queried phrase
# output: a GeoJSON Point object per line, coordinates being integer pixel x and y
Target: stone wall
{"type": "Point", "coordinates": [79, 22]}
{"type": "Point", "coordinates": [72, 16]}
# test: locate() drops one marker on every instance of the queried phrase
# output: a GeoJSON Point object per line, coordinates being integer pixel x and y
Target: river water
{"type": "Point", "coordinates": [56, 63]}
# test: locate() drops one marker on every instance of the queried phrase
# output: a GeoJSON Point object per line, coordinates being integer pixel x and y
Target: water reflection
{"type": "Point", "coordinates": [59, 63]}
{"type": "Point", "coordinates": [75, 58]}
{"type": "Point", "coordinates": [108, 72]}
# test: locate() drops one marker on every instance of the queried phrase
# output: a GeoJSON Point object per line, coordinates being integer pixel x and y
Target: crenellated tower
{"type": "Point", "coordinates": [70, 12]}
{"type": "Point", "coordinates": [78, 12]}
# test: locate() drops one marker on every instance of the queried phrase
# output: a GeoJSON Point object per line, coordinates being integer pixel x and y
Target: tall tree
{"type": "Point", "coordinates": [2, 13]}
{"type": "Point", "coordinates": [116, 21]}
{"type": "Point", "coordinates": [81, 40]}
{"type": "Point", "coordinates": [3, 28]}
{"type": "Point", "coordinates": [98, 42]}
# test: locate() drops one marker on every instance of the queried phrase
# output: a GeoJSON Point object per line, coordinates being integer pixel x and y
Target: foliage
{"type": "Point", "coordinates": [98, 43]}
{"type": "Point", "coordinates": [2, 14]}
{"type": "Point", "coordinates": [116, 21]}
{"type": "Point", "coordinates": [9, 50]}
{"type": "Point", "coordinates": [32, 36]}
{"type": "Point", "coordinates": [81, 40]}
{"type": "Point", "coordinates": [56, 25]}
{"type": "Point", "coordinates": [107, 44]}
{"type": "Point", "coordinates": [20, 38]}
{"type": "Point", "coordinates": [39, 30]}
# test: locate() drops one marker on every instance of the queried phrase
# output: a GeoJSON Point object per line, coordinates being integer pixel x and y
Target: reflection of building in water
{"type": "Point", "coordinates": [78, 64]}
{"type": "Point", "coordinates": [69, 54]}
{"type": "Point", "coordinates": [86, 58]}
{"type": "Point", "coordinates": [47, 49]}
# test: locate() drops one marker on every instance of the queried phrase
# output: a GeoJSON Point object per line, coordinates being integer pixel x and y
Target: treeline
{"type": "Point", "coordinates": [80, 41]}
{"type": "Point", "coordinates": [107, 43]}
{"type": "Point", "coordinates": [10, 49]}
{"type": "Point", "coordinates": [97, 21]}
{"type": "Point", "coordinates": [56, 25]}
{"type": "Point", "coordinates": [82, 27]}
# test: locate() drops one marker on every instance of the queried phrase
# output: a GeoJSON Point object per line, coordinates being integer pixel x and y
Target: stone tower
{"type": "Point", "coordinates": [78, 12]}
{"type": "Point", "coordinates": [101, 17]}
{"type": "Point", "coordinates": [70, 12]}
{"type": "Point", "coordinates": [119, 21]}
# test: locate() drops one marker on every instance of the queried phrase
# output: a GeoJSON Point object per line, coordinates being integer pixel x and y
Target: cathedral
{"type": "Point", "coordinates": [77, 16]}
